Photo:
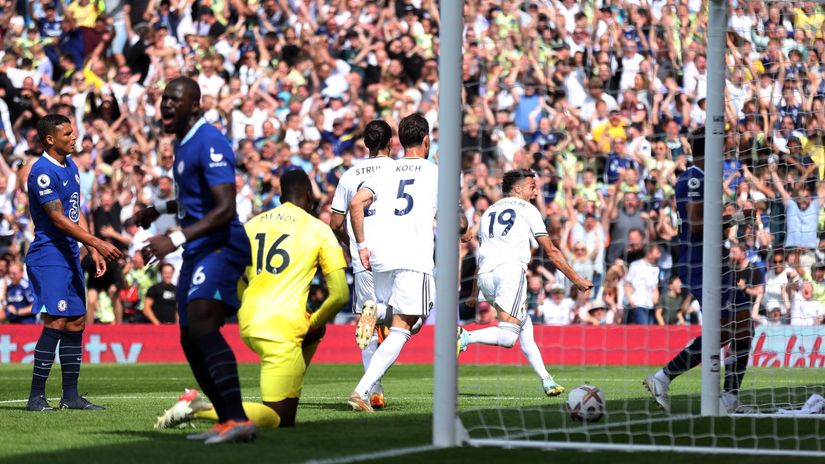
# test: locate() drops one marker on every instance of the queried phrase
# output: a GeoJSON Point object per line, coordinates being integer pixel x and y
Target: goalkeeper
{"type": "Point", "coordinates": [288, 244]}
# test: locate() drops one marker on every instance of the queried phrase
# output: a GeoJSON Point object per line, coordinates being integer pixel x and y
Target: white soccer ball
{"type": "Point", "coordinates": [586, 403]}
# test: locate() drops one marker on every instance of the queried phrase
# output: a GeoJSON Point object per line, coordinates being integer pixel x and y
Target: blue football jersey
{"type": "Point", "coordinates": [690, 187]}
{"type": "Point", "coordinates": [204, 159]}
{"type": "Point", "coordinates": [49, 181]}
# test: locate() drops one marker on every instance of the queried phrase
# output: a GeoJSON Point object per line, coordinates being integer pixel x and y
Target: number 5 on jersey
{"type": "Point", "coordinates": [261, 265]}
{"type": "Point", "coordinates": [406, 196]}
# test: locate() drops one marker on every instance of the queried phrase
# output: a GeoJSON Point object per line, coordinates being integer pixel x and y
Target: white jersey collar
{"type": "Point", "coordinates": [54, 161]}
{"type": "Point", "coordinates": [192, 131]}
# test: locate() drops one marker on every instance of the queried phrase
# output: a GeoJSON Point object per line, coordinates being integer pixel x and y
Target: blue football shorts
{"type": "Point", "coordinates": [212, 275]}
{"type": "Point", "coordinates": [59, 290]}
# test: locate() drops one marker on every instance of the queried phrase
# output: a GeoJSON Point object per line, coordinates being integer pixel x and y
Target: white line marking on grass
{"type": "Point", "coordinates": [374, 455]}
{"type": "Point", "coordinates": [486, 399]}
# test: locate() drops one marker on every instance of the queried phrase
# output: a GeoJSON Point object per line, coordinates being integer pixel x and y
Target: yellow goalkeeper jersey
{"type": "Point", "coordinates": [288, 244]}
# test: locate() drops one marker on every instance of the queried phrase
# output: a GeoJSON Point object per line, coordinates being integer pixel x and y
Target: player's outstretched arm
{"type": "Point", "coordinates": [54, 209]}
{"type": "Point", "coordinates": [555, 256]}
{"type": "Point", "coordinates": [145, 217]}
{"type": "Point", "coordinates": [338, 297]}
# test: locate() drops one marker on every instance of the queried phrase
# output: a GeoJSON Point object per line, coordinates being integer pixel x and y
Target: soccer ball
{"type": "Point", "coordinates": [586, 403]}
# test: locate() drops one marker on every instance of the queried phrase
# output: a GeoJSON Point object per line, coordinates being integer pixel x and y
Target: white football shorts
{"type": "Point", "coordinates": [410, 293]}
{"type": "Point", "coordinates": [364, 289]}
{"type": "Point", "coordinates": [506, 287]}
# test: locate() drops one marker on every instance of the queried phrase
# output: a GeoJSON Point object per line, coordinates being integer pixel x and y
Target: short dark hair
{"type": "Point", "coordinates": [47, 125]}
{"type": "Point", "coordinates": [412, 130]}
{"type": "Point", "coordinates": [512, 178]}
{"type": "Point", "coordinates": [295, 184]}
{"type": "Point", "coordinates": [377, 135]}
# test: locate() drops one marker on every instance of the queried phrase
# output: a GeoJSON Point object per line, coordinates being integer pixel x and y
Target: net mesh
{"type": "Point", "coordinates": [600, 99]}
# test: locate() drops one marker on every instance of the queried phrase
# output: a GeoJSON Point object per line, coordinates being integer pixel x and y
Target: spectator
{"type": "Point", "coordinates": [557, 309]}
{"type": "Point", "coordinates": [19, 298]}
{"type": "Point", "coordinates": [673, 304]}
{"type": "Point", "coordinates": [641, 287]}
{"type": "Point", "coordinates": [160, 306]}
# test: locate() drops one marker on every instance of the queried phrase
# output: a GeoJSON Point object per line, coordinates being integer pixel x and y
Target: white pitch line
{"type": "Point", "coordinates": [342, 398]}
{"type": "Point", "coordinates": [373, 455]}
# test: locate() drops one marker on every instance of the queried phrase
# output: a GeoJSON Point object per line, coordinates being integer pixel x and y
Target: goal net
{"type": "Point", "coordinates": [607, 103]}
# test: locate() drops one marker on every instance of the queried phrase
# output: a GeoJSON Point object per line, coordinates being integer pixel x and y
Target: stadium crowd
{"type": "Point", "coordinates": [598, 98]}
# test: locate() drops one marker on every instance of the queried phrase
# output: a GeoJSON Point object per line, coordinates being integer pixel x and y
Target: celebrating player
{"type": "Point", "coordinates": [215, 254]}
{"type": "Point", "coordinates": [503, 255]}
{"type": "Point", "coordinates": [53, 263]}
{"type": "Point", "coordinates": [736, 324]}
{"type": "Point", "coordinates": [377, 137]}
{"type": "Point", "coordinates": [400, 250]}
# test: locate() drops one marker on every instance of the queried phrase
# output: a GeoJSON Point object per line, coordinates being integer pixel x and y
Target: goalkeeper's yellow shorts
{"type": "Point", "coordinates": [283, 366]}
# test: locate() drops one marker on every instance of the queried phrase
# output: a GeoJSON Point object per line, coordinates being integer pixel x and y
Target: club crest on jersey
{"type": "Point", "coordinates": [62, 305]}
{"type": "Point", "coordinates": [77, 178]}
{"type": "Point", "coordinates": [180, 167]}
{"type": "Point", "coordinates": [693, 183]}
{"type": "Point", "coordinates": [43, 181]}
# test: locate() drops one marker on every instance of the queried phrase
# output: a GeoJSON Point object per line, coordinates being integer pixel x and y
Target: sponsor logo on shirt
{"type": "Point", "coordinates": [217, 159]}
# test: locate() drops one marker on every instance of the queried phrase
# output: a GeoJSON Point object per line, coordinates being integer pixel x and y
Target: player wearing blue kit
{"type": "Point", "coordinates": [736, 324]}
{"type": "Point", "coordinates": [53, 263]}
{"type": "Point", "coordinates": [19, 298]}
{"type": "Point", "coordinates": [216, 251]}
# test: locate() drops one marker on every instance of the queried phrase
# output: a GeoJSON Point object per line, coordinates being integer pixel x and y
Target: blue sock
{"type": "Point", "coordinates": [202, 375]}
{"type": "Point", "coordinates": [687, 359]}
{"type": "Point", "coordinates": [224, 372]}
{"type": "Point", "coordinates": [71, 356]}
{"type": "Point", "coordinates": [43, 360]}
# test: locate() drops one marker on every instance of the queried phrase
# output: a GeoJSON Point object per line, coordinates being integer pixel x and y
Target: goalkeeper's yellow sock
{"type": "Point", "coordinates": [260, 414]}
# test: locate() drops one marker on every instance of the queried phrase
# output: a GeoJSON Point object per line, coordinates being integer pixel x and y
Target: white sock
{"type": "Point", "coordinates": [384, 357]}
{"type": "Point", "coordinates": [531, 350]}
{"type": "Point", "coordinates": [369, 351]}
{"type": "Point", "coordinates": [660, 375]}
{"type": "Point", "coordinates": [504, 335]}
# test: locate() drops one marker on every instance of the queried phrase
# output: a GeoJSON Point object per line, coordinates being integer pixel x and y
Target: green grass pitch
{"type": "Point", "coordinates": [135, 394]}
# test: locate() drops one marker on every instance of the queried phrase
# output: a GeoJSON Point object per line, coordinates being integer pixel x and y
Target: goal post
{"type": "Point", "coordinates": [445, 388]}
{"type": "Point", "coordinates": [712, 230]}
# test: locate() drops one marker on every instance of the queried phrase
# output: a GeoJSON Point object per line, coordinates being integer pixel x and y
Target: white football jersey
{"type": "Point", "coordinates": [505, 233]}
{"type": "Point", "coordinates": [349, 183]}
{"type": "Point", "coordinates": [404, 202]}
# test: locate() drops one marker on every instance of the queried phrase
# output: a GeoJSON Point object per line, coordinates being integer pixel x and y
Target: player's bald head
{"type": "Point", "coordinates": [190, 88]}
